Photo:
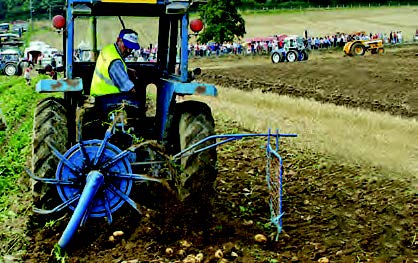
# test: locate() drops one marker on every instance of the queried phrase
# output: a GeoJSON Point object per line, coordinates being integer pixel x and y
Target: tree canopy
{"type": "Point", "coordinates": [19, 9]}
{"type": "Point", "coordinates": [222, 22]}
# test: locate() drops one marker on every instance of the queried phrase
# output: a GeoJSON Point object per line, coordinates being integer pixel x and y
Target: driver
{"type": "Point", "coordinates": [111, 73]}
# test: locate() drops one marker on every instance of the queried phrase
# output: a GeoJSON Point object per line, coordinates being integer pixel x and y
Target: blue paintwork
{"type": "Point", "coordinates": [192, 88]}
{"type": "Point", "coordinates": [78, 159]}
{"type": "Point", "coordinates": [94, 181]}
{"type": "Point", "coordinates": [184, 47]}
{"type": "Point", "coordinates": [69, 52]}
{"type": "Point", "coordinates": [61, 85]}
{"type": "Point", "coordinates": [170, 88]}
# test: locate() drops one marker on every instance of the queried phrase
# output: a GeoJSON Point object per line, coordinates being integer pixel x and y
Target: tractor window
{"type": "Point", "coordinates": [107, 30]}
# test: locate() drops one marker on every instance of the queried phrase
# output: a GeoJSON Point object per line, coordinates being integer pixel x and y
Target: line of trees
{"type": "Point", "coordinates": [19, 9]}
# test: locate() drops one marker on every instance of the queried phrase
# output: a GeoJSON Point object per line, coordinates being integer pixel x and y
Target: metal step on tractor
{"type": "Point", "coordinates": [293, 50]}
{"type": "Point", "coordinates": [90, 152]}
{"type": "Point", "coordinates": [360, 47]}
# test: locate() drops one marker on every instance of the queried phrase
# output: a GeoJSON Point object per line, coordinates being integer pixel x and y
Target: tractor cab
{"type": "Point", "coordinates": [294, 42]}
{"type": "Point", "coordinates": [162, 61]}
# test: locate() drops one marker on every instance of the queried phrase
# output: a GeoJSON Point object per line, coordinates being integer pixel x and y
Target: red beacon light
{"type": "Point", "coordinates": [196, 25]}
{"type": "Point", "coordinates": [58, 22]}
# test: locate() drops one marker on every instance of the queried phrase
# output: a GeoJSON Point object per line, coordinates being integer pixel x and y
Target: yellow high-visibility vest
{"type": "Point", "coordinates": [102, 84]}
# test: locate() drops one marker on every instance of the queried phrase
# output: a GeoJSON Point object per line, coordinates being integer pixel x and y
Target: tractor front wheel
{"type": "Point", "coordinates": [276, 57]}
{"type": "Point", "coordinates": [10, 69]}
{"type": "Point", "coordinates": [50, 125]}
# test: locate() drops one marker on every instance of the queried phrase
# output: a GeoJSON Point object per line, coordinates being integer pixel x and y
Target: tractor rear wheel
{"type": "Point", "coordinates": [195, 183]}
{"type": "Point", "coordinates": [305, 55]}
{"type": "Point", "coordinates": [357, 49]}
{"type": "Point", "coordinates": [50, 125]}
{"type": "Point", "coordinates": [10, 69]}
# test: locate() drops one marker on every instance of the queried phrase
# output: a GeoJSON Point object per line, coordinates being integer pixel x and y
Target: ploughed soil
{"type": "Point", "coordinates": [334, 212]}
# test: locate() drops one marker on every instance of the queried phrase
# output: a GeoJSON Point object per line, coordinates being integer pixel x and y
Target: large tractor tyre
{"type": "Point", "coordinates": [292, 56]}
{"type": "Point", "coordinates": [380, 51]}
{"type": "Point", "coordinates": [50, 126]}
{"type": "Point", "coordinates": [10, 69]}
{"type": "Point", "coordinates": [276, 57]}
{"type": "Point", "coordinates": [357, 49]}
{"type": "Point", "coordinates": [195, 182]}
{"type": "Point", "coordinates": [305, 55]}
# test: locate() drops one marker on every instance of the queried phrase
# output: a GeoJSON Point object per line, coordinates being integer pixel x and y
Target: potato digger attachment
{"type": "Point", "coordinates": [89, 153]}
{"type": "Point", "coordinates": [360, 47]}
{"type": "Point", "coordinates": [94, 178]}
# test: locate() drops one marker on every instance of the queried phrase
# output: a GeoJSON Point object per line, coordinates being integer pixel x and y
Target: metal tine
{"type": "Point", "coordinates": [108, 134]}
{"type": "Point", "coordinates": [137, 177]}
{"type": "Point", "coordinates": [79, 133]}
{"type": "Point", "coordinates": [63, 159]}
{"type": "Point", "coordinates": [120, 156]}
{"type": "Point", "coordinates": [48, 180]}
{"type": "Point", "coordinates": [107, 207]}
{"type": "Point", "coordinates": [124, 197]}
{"type": "Point", "coordinates": [148, 163]}
{"type": "Point", "coordinates": [57, 208]}
{"type": "Point", "coordinates": [84, 153]}
{"type": "Point", "coordinates": [124, 153]}
{"type": "Point", "coordinates": [99, 152]}
{"type": "Point", "coordinates": [81, 144]}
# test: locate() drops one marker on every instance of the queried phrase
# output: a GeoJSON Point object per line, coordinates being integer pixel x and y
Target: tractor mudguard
{"type": "Point", "coordinates": [192, 88]}
{"type": "Point", "coordinates": [61, 85]}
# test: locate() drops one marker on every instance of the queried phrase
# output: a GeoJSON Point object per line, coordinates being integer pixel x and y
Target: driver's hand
{"type": "Point", "coordinates": [132, 74]}
{"type": "Point", "coordinates": [132, 91]}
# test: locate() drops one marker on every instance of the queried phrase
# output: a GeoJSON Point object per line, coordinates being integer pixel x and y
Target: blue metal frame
{"type": "Point", "coordinates": [184, 63]}
{"type": "Point", "coordinates": [106, 169]}
{"type": "Point", "coordinates": [276, 213]}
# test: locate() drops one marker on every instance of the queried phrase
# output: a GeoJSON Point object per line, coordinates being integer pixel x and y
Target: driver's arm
{"type": "Point", "coordinates": [119, 76]}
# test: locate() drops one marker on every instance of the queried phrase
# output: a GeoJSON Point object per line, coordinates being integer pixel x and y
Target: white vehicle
{"type": "Point", "coordinates": [293, 50]}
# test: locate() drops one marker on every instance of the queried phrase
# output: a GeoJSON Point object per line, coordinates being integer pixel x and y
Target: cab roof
{"type": "Point", "coordinates": [129, 7]}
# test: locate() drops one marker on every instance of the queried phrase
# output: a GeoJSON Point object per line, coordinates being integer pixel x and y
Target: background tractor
{"type": "Point", "coordinates": [360, 47]}
{"type": "Point", "coordinates": [11, 62]}
{"type": "Point", "coordinates": [293, 50]}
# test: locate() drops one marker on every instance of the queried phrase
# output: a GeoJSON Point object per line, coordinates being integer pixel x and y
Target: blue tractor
{"type": "Point", "coordinates": [89, 153]}
{"type": "Point", "coordinates": [111, 138]}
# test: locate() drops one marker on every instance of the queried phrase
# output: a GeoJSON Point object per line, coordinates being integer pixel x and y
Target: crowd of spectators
{"type": "Point", "coordinates": [265, 47]}
{"type": "Point", "coordinates": [261, 47]}
{"type": "Point", "coordinates": [339, 40]}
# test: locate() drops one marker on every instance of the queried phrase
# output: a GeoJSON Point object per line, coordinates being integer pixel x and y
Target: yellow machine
{"type": "Point", "coordinates": [359, 47]}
